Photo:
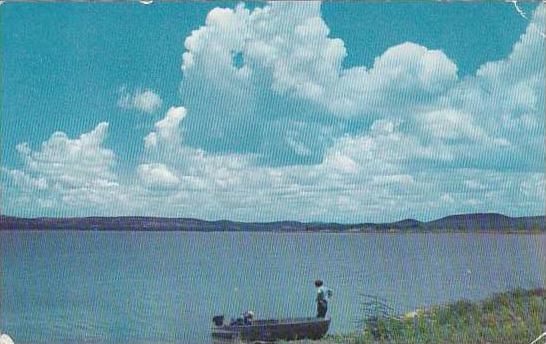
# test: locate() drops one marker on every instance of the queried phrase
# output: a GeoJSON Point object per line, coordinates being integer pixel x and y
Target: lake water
{"type": "Point", "coordinates": [136, 287]}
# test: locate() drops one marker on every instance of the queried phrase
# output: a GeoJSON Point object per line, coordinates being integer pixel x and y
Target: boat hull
{"type": "Point", "coordinates": [272, 330]}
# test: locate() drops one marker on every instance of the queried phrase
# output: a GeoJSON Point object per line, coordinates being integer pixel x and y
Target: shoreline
{"type": "Point", "coordinates": [348, 232]}
{"type": "Point", "coordinates": [512, 317]}
{"type": "Point", "coordinates": [461, 223]}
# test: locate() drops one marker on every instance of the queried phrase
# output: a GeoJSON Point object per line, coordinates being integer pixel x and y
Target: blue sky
{"type": "Point", "coordinates": [341, 112]}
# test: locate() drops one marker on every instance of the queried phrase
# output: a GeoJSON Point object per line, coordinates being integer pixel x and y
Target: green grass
{"type": "Point", "coordinates": [511, 318]}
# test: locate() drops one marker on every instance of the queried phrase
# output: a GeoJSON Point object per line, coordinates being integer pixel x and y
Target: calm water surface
{"type": "Point", "coordinates": [130, 287]}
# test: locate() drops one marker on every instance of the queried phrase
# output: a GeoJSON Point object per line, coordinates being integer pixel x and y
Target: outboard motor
{"type": "Point", "coordinates": [218, 320]}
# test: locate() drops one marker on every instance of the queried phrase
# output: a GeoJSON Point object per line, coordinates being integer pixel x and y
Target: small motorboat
{"type": "Point", "coordinates": [271, 330]}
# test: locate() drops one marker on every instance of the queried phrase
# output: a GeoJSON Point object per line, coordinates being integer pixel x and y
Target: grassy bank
{"type": "Point", "coordinates": [511, 318]}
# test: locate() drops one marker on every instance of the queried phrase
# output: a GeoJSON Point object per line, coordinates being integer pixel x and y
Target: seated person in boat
{"type": "Point", "coordinates": [248, 316]}
{"type": "Point", "coordinates": [246, 319]}
{"type": "Point", "coordinates": [323, 295]}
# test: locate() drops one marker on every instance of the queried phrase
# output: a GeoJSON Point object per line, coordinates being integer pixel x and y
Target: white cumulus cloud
{"type": "Point", "coordinates": [68, 161]}
{"type": "Point", "coordinates": [142, 100]}
{"type": "Point", "coordinates": [66, 172]}
{"type": "Point", "coordinates": [287, 46]}
{"type": "Point", "coordinates": [157, 176]}
{"type": "Point", "coordinates": [167, 130]}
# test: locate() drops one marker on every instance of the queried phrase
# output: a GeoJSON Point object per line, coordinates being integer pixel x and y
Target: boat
{"type": "Point", "coordinates": [271, 330]}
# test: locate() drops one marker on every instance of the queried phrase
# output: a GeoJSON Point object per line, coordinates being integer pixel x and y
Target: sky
{"type": "Point", "coordinates": [345, 112]}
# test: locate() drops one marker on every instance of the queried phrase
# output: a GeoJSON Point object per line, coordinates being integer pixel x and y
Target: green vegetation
{"type": "Point", "coordinates": [511, 318]}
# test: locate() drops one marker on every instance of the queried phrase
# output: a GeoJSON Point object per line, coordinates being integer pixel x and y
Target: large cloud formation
{"type": "Point", "coordinates": [275, 70]}
{"type": "Point", "coordinates": [79, 172]}
{"type": "Point", "coordinates": [274, 127]}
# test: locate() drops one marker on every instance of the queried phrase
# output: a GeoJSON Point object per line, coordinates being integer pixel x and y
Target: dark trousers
{"type": "Point", "coordinates": [322, 308]}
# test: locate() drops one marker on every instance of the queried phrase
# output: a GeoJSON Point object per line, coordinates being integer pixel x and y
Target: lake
{"type": "Point", "coordinates": [164, 287]}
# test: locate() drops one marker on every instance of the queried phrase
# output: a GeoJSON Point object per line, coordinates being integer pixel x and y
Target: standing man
{"type": "Point", "coordinates": [323, 295]}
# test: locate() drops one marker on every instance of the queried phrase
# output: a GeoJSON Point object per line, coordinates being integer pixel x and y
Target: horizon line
{"type": "Point", "coordinates": [267, 222]}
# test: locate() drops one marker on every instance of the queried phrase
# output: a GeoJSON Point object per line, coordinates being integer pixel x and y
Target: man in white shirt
{"type": "Point", "coordinates": [323, 295]}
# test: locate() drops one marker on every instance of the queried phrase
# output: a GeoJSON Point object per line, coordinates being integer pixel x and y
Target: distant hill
{"type": "Point", "coordinates": [463, 222]}
{"type": "Point", "coordinates": [488, 221]}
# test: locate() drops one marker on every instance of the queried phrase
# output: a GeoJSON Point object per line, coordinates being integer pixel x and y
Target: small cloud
{"type": "Point", "coordinates": [157, 176]}
{"type": "Point", "coordinates": [343, 163]}
{"type": "Point", "coordinates": [299, 147]}
{"type": "Point", "coordinates": [383, 127]}
{"type": "Point", "coordinates": [167, 129]}
{"type": "Point", "coordinates": [143, 100]}
{"type": "Point", "coordinates": [447, 198]}
{"type": "Point", "coordinates": [150, 140]}
{"type": "Point", "coordinates": [473, 202]}
{"type": "Point", "coordinates": [24, 180]}
{"type": "Point", "coordinates": [474, 185]}
{"type": "Point", "coordinates": [449, 124]}
{"type": "Point", "coordinates": [501, 142]}
{"type": "Point", "coordinates": [402, 179]}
